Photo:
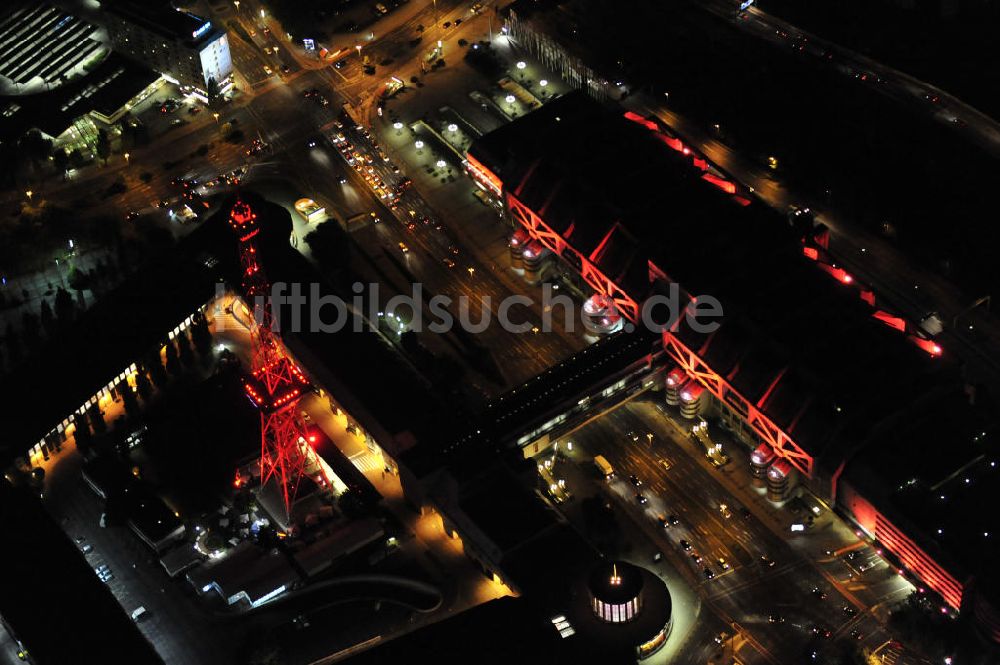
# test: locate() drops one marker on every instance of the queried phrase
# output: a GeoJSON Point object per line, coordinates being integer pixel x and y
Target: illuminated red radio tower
{"type": "Point", "coordinates": [275, 385]}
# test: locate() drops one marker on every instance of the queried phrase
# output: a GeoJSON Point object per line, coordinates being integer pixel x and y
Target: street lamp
{"type": "Point", "coordinates": [509, 99]}
{"type": "Point", "coordinates": [28, 193]}
{"type": "Point", "coordinates": [419, 145]}
{"type": "Point", "coordinates": [441, 163]}
{"type": "Point", "coordinates": [237, 3]}
{"type": "Point", "coordinates": [543, 83]}
{"type": "Point", "coordinates": [452, 127]}
{"type": "Point", "coordinates": [126, 156]}
{"type": "Point", "coordinates": [262, 12]}
{"type": "Point", "coordinates": [216, 116]}
{"type": "Point", "coordinates": [398, 126]}
{"type": "Point", "coordinates": [358, 46]}
{"type": "Point", "coordinates": [521, 64]}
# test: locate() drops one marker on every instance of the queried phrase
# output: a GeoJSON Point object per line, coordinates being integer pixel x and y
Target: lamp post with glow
{"type": "Point", "coordinates": [419, 145]}
{"type": "Point", "coordinates": [126, 156]}
{"type": "Point", "coordinates": [398, 126]}
{"type": "Point", "coordinates": [521, 64]}
{"type": "Point", "coordinates": [237, 3]}
{"type": "Point", "coordinates": [28, 193]}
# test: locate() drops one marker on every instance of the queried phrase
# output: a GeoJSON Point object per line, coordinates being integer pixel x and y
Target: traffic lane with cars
{"type": "Point", "coordinates": [694, 494]}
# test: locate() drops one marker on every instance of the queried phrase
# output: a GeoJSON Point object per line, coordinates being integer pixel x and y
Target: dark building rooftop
{"type": "Point", "coordinates": [163, 19]}
{"type": "Point", "coordinates": [795, 341]}
{"type": "Point", "coordinates": [934, 471]}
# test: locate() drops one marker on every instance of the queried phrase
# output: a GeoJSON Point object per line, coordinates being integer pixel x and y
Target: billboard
{"type": "Point", "coordinates": [216, 62]}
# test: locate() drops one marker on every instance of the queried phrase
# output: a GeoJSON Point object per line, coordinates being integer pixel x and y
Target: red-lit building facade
{"type": "Point", "coordinates": [807, 366]}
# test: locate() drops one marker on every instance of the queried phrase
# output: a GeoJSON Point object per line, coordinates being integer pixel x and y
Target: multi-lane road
{"type": "Point", "coordinates": [780, 598]}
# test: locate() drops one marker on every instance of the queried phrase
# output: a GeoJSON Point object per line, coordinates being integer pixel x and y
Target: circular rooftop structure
{"type": "Point", "coordinates": [629, 606]}
{"type": "Point", "coordinates": [616, 591]}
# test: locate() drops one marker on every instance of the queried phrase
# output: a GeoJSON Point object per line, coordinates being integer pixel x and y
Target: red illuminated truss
{"type": "Point", "coordinates": [275, 385]}
{"type": "Point", "coordinates": [695, 367]}
{"type": "Point", "coordinates": [597, 280]}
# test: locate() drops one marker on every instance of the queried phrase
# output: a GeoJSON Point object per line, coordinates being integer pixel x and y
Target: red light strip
{"type": "Point", "coordinates": [721, 183]}
{"type": "Point", "coordinates": [484, 175]}
{"type": "Point", "coordinates": [890, 320]}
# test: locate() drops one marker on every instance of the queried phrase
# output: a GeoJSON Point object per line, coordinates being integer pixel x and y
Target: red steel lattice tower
{"type": "Point", "coordinates": [275, 384]}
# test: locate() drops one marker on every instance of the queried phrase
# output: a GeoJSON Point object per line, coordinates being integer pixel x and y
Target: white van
{"type": "Point", "coordinates": [139, 613]}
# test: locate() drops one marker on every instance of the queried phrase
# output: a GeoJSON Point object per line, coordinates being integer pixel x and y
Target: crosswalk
{"type": "Point", "coordinates": [365, 461]}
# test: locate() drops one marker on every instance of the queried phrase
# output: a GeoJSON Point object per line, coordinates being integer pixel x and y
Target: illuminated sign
{"type": "Point", "coordinates": [202, 30]}
{"type": "Point", "coordinates": [309, 44]}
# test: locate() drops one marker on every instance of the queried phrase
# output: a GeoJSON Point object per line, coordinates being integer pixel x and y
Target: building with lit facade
{"type": "Point", "coordinates": [183, 47]}
{"type": "Point", "coordinates": [828, 389]}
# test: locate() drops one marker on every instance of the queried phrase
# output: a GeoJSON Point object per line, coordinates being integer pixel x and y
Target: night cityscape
{"type": "Point", "coordinates": [512, 331]}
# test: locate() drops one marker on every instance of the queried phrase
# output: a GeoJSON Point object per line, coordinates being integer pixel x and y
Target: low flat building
{"type": "Point", "coordinates": [247, 574]}
{"type": "Point", "coordinates": [150, 518]}
{"type": "Point", "coordinates": [181, 559]}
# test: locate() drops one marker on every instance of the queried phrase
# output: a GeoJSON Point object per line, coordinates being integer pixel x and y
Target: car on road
{"type": "Point", "coordinates": [132, 215]}
{"type": "Point", "coordinates": [775, 618]}
{"type": "Point", "coordinates": [340, 64]}
{"type": "Point", "coordinates": [767, 561]}
{"type": "Point", "coordinates": [268, 70]}
{"type": "Point", "coordinates": [640, 498]}
{"type": "Point", "coordinates": [709, 573]}
{"type": "Point", "coordinates": [633, 436]}
{"type": "Point", "coordinates": [723, 563]}
{"type": "Point", "coordinates": [697, 558]}
{"type": "Point", "coordinates": [403, 248]}
{"type": "Point", "coordinates": [453, 249]}
{"type": "Point", "coordinates": [664, 522]}
{"type": "Point", "coordinates": [674, 520]}
{"type": "Point", "coordinates": [848, 610]}
{"type": "Point", "coordinates": [721, 637]}
{"type": "Point", "coordinates": [343, 180]}
{"type": "Point", "coordinates": [819, 593]}
{"type": "Point", "coordinates": [856, 634]}
{"type": "Point", "coordinates": [685, 545]}
{"type": "Point", "coordinates": [822, 631]}
{"type": "Point", "coordinates": [634, 480]}
{"type": "Point", "coordinates": [86, 549]}
{"type": "Point", "coordinates": [448, 262]}
{"type": "Point", "coordinates": [139, 613]}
